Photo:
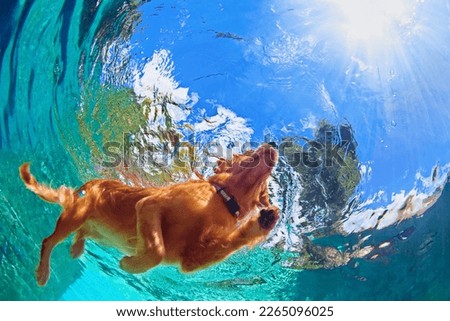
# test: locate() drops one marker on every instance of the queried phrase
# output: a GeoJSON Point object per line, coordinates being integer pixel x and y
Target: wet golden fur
{"type": "Point", "coordinates": [186, 224]}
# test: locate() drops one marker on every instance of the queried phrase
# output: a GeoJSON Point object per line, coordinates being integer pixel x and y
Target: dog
{"type": "Point", "coordinates": [193, 224]}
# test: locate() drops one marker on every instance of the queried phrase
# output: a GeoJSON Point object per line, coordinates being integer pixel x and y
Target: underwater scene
{"type": "Point", "coordinates": [355, 95]}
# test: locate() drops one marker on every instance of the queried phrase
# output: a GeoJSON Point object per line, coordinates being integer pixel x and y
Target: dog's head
{"type": "Point", "coordinates": [245, 176]}
{"type": "Point", "coordinates": [254, 166]}
{"type": "Point", "coordinates": [225, 165]}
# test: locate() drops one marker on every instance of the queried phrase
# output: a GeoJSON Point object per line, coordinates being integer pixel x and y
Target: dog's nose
{"type": "Point", "coordinates": [273, 144]}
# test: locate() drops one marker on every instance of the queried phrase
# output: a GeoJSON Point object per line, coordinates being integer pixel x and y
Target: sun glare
{"type": "Point", "coordinates": [373, 20]}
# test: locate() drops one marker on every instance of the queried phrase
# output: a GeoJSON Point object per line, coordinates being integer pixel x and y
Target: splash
{"type": "Point", "coordinates": [403, 205]}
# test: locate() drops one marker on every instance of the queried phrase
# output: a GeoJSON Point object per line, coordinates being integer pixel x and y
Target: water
{"type": "Point", "coordinates": [77, 75]}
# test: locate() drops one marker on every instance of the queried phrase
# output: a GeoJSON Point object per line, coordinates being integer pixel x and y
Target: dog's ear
{"type": "Point", "coordinates": [221, 165]}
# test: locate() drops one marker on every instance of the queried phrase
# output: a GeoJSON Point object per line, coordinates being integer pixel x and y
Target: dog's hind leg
{"type": "Point", "coordinates": [150, 249]}
{"type": "Point", "coordinates": [69, 221]}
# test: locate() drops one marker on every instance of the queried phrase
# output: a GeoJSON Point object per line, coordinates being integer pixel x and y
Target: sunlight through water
{"type": "Point", "coordinates": [375, 31]}
{"type": "Point", "coordinates": [376, 23]}
{"type": "Point", "coordinates": [361, 87]}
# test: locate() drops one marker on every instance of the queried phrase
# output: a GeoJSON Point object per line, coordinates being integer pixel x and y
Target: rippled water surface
{"type": "Point", "coordinates": [358, 104]}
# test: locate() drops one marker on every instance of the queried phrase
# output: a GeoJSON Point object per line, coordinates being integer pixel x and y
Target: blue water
{"type": "Point", "coordinates": [75, 75]}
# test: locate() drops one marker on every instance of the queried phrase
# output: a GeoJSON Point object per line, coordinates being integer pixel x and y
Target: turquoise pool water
{"type": "Point", "coordinates": [75, 75]}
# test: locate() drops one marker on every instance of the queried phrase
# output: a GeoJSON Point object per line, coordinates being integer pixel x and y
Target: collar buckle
{"type": "Point", "coordinates": [231, 204]}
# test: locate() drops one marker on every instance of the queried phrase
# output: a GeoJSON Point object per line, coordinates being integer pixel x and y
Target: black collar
{"type": "Point", "coordinates": [230, 202]}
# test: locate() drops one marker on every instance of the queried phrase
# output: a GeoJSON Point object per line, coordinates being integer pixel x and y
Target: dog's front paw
{"type": "Point", "coordinates": [129, 264]}
{"type": "Point", "coordinates": [268, 218]}
{"type": "Point", "coordinates": [139, 263]}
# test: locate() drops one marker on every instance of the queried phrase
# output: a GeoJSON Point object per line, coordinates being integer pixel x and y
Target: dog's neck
{"type": "Point", "coordinates": [230, 202]}
{"type": "Point", "coordinates": [242, 197]}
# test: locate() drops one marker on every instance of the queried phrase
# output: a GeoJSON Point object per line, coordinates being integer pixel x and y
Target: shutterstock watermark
{"type": "Point", "coordinates": [314, 153]}
{"type": "Point", "coordinates": [135, 152]}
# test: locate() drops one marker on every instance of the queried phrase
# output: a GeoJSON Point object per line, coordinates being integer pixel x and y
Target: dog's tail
{"type": "Point", "coordinates": [63, 195]}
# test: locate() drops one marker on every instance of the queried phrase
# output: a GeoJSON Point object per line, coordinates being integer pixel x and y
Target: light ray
{"type": "Point", "coordinates": [374, 20]}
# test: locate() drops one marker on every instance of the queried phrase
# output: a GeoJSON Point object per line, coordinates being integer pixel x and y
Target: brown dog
{"type": "Point", "coordinates": [193, 224]}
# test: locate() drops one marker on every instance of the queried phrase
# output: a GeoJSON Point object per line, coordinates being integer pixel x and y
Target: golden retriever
{"type": "Point", "coordinates": [194, 224]}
